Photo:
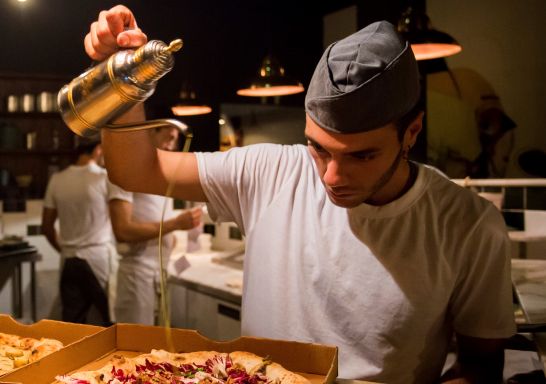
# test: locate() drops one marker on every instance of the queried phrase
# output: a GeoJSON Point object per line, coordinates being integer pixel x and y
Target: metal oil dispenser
{"type": "Point", "coordinates": [101, 94]}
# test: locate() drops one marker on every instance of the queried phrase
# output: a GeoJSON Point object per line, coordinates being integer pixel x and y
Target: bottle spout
{"type": "Point", "coordinates": [174, 46]}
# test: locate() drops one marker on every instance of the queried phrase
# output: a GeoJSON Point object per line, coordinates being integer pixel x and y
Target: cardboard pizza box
{"type": "Point", "coordinates": [316, 362]}
{"type": "Point", "coordinates": [66, 333]}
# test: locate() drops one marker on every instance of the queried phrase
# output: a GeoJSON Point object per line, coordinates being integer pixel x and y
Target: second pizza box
{"type": "Point", "coordinates": [316, 362]}
{"type": "Point", "coordinates": [66, 333]}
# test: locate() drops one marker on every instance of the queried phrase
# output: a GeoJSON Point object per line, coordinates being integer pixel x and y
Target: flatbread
{"type": "Point", "coordinates": [16, 351]}
{"type": "Point", "coordinates": [202, 367]}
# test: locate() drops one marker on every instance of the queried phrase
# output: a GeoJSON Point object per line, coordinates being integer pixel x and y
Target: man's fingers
{"type": "Point", "coordinates": [105, 34]}
{"type": "Point", "coordinates": [197, 213]}
{"type": "Point", "coordinates": [120, 18]}
{"type": "Point", "coordinates": [114, 29]}
{"type": "Point", "coordinates": [122, 24]}
{"type": "Point", "coordinates": [95, 46]}
{"type": "Point", "coordinates": [131, 38]}
{"type": "Point", "coordinates": [90, 49]}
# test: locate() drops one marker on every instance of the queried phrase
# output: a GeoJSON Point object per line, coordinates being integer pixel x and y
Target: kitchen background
{"type": "Point", "coordinates": [226, 41]}
{"type": "Point", "coordinates": [224, 44]}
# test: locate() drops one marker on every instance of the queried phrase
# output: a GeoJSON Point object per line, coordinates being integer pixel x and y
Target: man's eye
{"type": "Point", "coordinates": [316, 147]}
{"type": "Point", "coordinates": [364, 156]}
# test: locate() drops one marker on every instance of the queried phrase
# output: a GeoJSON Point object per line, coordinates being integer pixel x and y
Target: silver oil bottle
{"type": "Point", "coordinates": [106, 91]}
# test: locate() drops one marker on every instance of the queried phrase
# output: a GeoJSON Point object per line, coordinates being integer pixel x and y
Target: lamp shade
{"type": "Point", "coordinates": [271, 81]}
{"type": "Point", "coordinates": [426, 42]}
{"type": "Point", "coordinates": [188, 104]}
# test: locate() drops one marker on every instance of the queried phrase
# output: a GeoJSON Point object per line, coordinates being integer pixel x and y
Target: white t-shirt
{"type": "Point", "coordinates": [146, 208]}
{"type": "Point", "coordinates": [79, 194]}
{"type": "Point", "coordinates": [387, 285]}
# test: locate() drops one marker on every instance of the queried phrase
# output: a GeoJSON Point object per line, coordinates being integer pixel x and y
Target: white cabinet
{"type": "Point", "coordinates": [212, 317]}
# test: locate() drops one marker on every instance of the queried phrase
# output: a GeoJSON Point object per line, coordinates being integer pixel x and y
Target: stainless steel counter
{"type": "Point", "coordinates": [529, 281]}
{"type": "Point", "coordinates": [11, 266]}
{"type": "Point", "coordinates": [206, 276]}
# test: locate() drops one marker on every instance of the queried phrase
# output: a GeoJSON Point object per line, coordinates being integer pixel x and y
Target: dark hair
{"type": "Point", "coordinates": [86, 146]}
{"type": "Point", "coordinates": [403, 122]}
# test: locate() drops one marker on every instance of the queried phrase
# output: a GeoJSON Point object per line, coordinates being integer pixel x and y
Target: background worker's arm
{"type": "Point", "coordinates": [49, 216]}
{"type": "Point", "coordinates": [128, 230]}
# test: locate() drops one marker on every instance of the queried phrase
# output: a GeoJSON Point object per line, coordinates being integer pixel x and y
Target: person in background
{"type": "Point", "coordinates": [135, 219]}
{"type": "Point", "coordinates": [77, 197]}
{"type": "Point", "coordinates": [348, 242]}
{"type": "Point", "coordinates": [478, 138]}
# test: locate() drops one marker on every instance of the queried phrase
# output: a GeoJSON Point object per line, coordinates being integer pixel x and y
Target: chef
{"type": "Point", "coordinates": [77, 197]}
{"type": "Point", "coordinates": [347, 241]}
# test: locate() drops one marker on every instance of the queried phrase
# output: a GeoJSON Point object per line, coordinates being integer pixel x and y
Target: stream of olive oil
{"type": "Point", "coordinates": [163, 298]}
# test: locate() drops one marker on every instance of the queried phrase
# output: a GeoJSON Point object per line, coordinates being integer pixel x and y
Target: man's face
{"type": "Point", "coordinates": [356, 168]}
{"type": "Point", "coordinates": [166, 138]}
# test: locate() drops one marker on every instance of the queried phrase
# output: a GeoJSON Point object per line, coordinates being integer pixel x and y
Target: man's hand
{"type": "Point", "coordinates": [479, 361]}
{"type": "Point", "coordinates": [189, 219]}
{"type": "Point", "coordinates": [114, 29]}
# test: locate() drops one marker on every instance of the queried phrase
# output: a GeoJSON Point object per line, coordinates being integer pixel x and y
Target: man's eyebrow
{"type": "Point", "coordinates": [365, 151]}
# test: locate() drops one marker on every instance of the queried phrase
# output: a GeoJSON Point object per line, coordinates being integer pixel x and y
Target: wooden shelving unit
{"type": "Point", "coordinates": [52, 146]}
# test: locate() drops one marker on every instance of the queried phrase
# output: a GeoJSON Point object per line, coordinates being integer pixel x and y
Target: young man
{"type": "Point", "coordinates": [347, 242]}
{"type": "Point", "coordinates": [135, 219]}
{"type": "Point", "coordinates": [77, 197]}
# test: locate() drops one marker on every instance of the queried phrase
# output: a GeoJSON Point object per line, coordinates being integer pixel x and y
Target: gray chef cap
{"type": "Point", "coordinates": [364, 81]}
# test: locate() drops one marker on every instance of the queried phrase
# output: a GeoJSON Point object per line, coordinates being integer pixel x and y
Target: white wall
{"type": "Point", "coordinates": [503, 40]}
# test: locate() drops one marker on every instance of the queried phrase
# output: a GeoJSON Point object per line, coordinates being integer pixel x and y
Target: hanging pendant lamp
{"type": "Point", "coordinates": [271, 81]}
{"type": "Point", "coordinates": [426, 42]}
{"type": "Point", "coordinates": [188, 104]}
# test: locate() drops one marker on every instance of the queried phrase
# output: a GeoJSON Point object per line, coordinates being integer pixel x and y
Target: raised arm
{"type": "Point", "coordinates": [132, 161]}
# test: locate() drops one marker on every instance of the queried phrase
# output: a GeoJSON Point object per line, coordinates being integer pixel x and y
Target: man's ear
{"type": "Point", "coordinates": [410, 136]}
{"type": "Point", "coordinates": [97, 152]}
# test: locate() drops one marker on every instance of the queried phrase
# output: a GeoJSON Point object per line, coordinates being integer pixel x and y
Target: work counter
{"type": "Point", "coordinates": [529, 281]}
{"type": "Point", "coordinates": [11, 267]}
{"type": "Point", "coordinates": [203, 273]}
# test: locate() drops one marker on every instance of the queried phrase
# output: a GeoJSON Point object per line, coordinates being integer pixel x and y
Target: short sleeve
{"type": "Point", "coordinates": [49, 199]}
{"type": "Point", "coordinates": [482, 301]}
{"type": "Point", "coordinates": [242, 182]}
{"type": "Point", "coordinates": [117, 193]}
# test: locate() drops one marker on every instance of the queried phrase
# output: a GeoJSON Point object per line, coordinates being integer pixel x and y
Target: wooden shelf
{"type": "Point", "coordinates": [37, 152]}
{"type": "Point", "coordinates": [30, 115]}
{"type": "Point", "coordinates": [49, 129]}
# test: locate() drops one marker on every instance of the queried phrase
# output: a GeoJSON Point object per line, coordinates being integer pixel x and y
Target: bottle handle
{"type": "Point", "coordinates": [158, 123]}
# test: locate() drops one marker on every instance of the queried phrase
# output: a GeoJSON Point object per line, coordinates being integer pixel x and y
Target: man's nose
{"type": "Point", "coordinates": [334, 173]}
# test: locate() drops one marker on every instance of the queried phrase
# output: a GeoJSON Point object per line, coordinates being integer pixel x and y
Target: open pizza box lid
{"type": "Point", "coordinates": [66, 333]}
{"type": "Point", "coordinates": [318, 363]}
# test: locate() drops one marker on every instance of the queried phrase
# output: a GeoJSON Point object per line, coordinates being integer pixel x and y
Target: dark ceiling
{"type": "Point", "coordinates": [224, 41]}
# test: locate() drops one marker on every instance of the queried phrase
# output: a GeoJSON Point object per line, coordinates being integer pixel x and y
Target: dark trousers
{"type": "Point", "coordinates": [80, 289]}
